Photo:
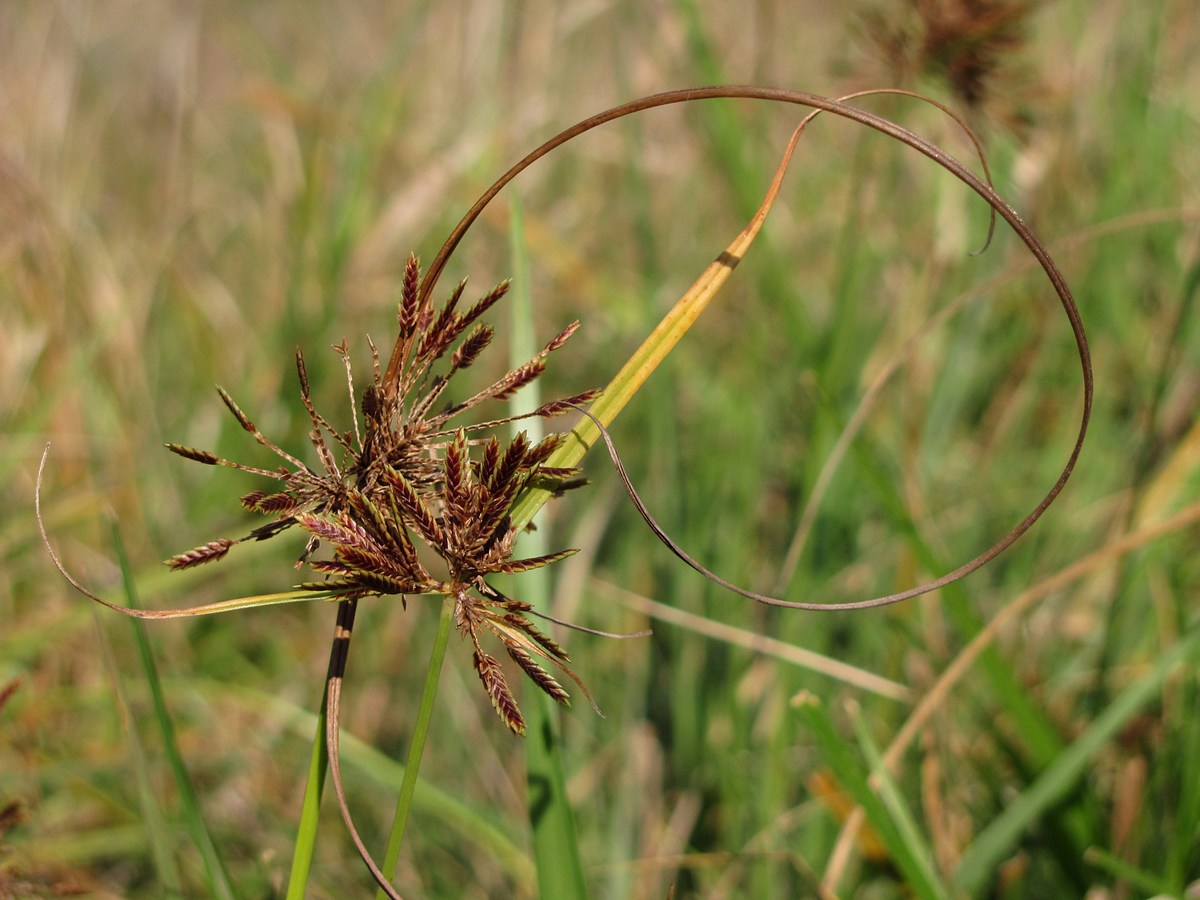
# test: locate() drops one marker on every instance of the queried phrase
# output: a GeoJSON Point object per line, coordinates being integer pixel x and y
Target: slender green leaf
{"type": "Point", "coordinates": [305, 842]}
{"type": "Point", "coordinates": [838, 757]}
{"type": "Point", "coordinates": [997, 841]}
{"type": "Point", "coordinates": [219, 883]}
{"type": "Point", "coordinates": [416, 748]}
{"type": "Point", "coordinates": [906, 826]}
{"type": "Point", "coordinates": [555, 846]}
{"type": "Point", "coordinates": [1146, 883]}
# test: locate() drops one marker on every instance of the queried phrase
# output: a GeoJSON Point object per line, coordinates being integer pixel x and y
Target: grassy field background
{"type": "Point", "coordinates": [190, 191]}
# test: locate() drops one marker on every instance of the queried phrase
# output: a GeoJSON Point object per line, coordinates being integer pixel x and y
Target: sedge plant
{"type": "Point", "coordinates": [417, 496]}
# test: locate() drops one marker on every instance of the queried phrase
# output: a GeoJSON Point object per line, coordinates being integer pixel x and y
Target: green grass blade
{"type": "Point", "coordinates": [310, 810]}
{"type": "Point", "coordinates": [917, 874]}
{"type": "Point", "coordinates": [1184, 849]}
{"type": "Point", "coordinates": [906, 825]}
{"type": "Point", "coordinates": [218, 878]}
{"type": "Point", "coordinates": [155, 822]}
{"type": "Point", "coordinates": [555, 845]}
{"type": "Point", "coordinates": [490, 830]}
{"type": "Point", "coordinates": [996, 841]}
{"type": "Point", "coordinates": [1146, 883]}
{"type": "Point", "coordinates": [417, 748]}
{"type": "Point", "coordinates": [491, 833]}
{"type": "Point", "coordinates": [1040, 744]}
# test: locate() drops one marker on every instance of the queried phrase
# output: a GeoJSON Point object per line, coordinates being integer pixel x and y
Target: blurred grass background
{"type": "Point", "coordinates": [189, 191]}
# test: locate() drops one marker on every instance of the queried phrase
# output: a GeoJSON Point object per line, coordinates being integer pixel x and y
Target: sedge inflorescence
{"type": "Point", "coordinates": [407, 476]}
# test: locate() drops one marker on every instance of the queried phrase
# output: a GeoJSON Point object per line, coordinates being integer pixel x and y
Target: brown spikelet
{"type": "Point", "coordinates": [487, 301]}
{"type": "Point", "coordinates": [440, 334]}
{"type": "Point", "coordinates": [200, 456]}
{"type": "Point", "coordinates": [455, 488]}
{"type": "Point", "coordinates": [515, 566]}
{"type": "Point", "coordinates": [548, 643]}
{"type": "Point", "coordinates": [408, 302]}
{"type": "Point", "coordinates": [411, 503]}
{"type": "Point", "coordinates": [491, 459]}
{"type": "Point", "coordinates": [372, 403]}
{"type": "Point", "coordinates": [344, 532]}
{"type": "Point", "coordinates": [511, 461]}
{"type": "Point", "coordinates": [541, 451]}
{"type": "Point", "coordinates": [242, 418]}
{"type": "Point", "coordinates": [503, 701]}
{"type": "Point", "coordinates": [279, 503]}
{"type": "Point", "coordinates": [566, 404]}
{"type": "Point", "coordinates": [476, 342]}
{"type": "Point", "coordinates": [540, 676]}
{"type": "Point", "coordinates": [365, 582]}
{"type": "Point", "coordinates": [515, 380]}
{"type": "Point", "coordinates": [370, 517]}
{"type": "Point", "coordinates": [561, 338]}
{"type": "Point", "coordinates": [210, 552]}
{"type": "Point", "coordinates": [367, 560]}
{"type": "Point", "coordinates": [493, 524]}
{"type": "Point", "coordinates": [400, 544]}
{"type": "Point", "coordinates": [385, 583]}
{"type": "Point", "coordinates": [302, 374]}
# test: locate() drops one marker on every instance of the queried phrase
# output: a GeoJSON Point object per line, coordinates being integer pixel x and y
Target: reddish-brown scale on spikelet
{"type": "Point", "coordinates": [455, 490]}
{"type": "Point", "coordinates": [344, 532]}
{"type": "Point", "coordinates": [278, 503]}
{"type": "Point", "coordinates": [462, 322]}
{"type": "Point", "coordinates": [491, 459]}
{"type": "Point", "coordinates": [511, 460]}
{"type": "Point", "coordinates": [516, 566]}
{"type": "Point", "coordinates": [566, 404]}
{"type": "Point", "coordinates": [369, 516]}
{"type": "Point", "coordinates": [518, 378]}
{"type": "Point", "coordinates": [474, 344]}
{"type": "Point", "coordinates": [369, 559]}
{"type": "Point", "coordinates": [540, 676]}
{"type": "Point", "coordinates": [503, 701]}
{"type": "Point", "coordinates": [439, 335]}
{"type": "Point", "coordinates": [209, 552]}
{"type": "Point", "coordinates": [413, 506]}
{"type": "Point", "coordinates": [250, 500]}
{"type": "Point", "coordinates": [542, 450]}
{"type": "Point", "coordinates": [242, 418]}
{"type": "Point", "coordinates": [487, 301]}
{"type": "Point", "coordinates": [561, 338]}
{"type": "Point", "coordinates": [200, 456]}
{"type": "Point", "coordinates": [409, 297]}
{"type": "Point", "coordinates": [550, 645]}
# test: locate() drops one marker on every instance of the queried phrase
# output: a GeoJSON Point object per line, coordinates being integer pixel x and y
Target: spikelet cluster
{"type": "Point", "coordinates": [404, 476]}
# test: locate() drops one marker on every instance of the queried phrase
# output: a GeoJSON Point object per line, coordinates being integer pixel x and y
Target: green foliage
{"type": "Point", "coordinates": [185, 202]}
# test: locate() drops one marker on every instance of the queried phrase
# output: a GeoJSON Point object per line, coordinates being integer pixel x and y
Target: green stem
{"type": "Point", "coordinates": [417, 747]}
{"type": "Point", "coordinates": [551, 819]}
{"type": "Point", "coordinates": [306, 834]}
{"type": "Point", "coordinates": [318, 765]}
